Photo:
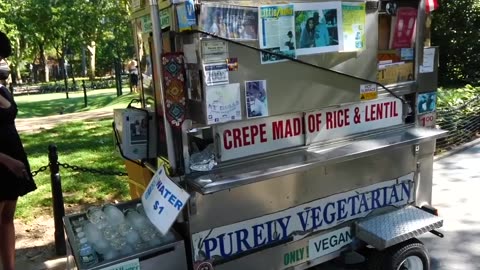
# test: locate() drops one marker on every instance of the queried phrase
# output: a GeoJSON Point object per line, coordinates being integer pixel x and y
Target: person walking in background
{"type": "Point", "coordinates": [133, 71]}
{"type": "Point", "coordinates": [15, 176]}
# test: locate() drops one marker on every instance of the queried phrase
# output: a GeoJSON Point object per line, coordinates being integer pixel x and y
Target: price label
{"type": "Point", "coordinates": [216, 74]}
{"type": "Point", "coordinates": [163, 200]}
{"type": "Point", "coordinates": [427, 120]}
{"type": "Point", "coordinates": [368, 91]}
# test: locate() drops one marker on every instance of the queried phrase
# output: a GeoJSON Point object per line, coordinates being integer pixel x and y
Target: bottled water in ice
{"type": "Point", "coordinates": [96, 216]}
{"type": "Point", "coordinates": [87, 253]}
{"type": "Point", "coordinates": [114, 215]}
{"type": "Point", "coordinates": [92, 233]}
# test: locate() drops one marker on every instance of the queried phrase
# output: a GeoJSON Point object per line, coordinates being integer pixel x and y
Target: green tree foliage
{"type": "Point", "coordinates": [45, 28]}
{"type": "Point", "coordinates": [455, 29]}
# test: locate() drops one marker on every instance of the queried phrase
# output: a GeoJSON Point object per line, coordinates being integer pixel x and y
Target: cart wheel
{"type": "Point", "coordinates": [409, 255]}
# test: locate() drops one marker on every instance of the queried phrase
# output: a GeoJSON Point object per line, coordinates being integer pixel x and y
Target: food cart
{"type": "Point", "coordinates": [291, 132]}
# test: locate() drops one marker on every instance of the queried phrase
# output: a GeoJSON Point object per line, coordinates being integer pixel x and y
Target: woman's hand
{"type": "Point", "coordinates": [4, 103]}
{"type": "Point", "coordinates": [15, 166]}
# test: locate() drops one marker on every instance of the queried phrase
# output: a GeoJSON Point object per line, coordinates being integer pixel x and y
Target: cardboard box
{"type": "Point", "coordinates": [395, 73]}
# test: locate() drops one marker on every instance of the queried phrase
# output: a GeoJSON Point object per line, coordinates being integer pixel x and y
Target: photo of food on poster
{"type": "Point", "coordinates": [256, 98]}
{"type": "Point", "coordinates": [233, 22]}
{"type": "Point", "coordinates": [353, 16]}
{"type": "Point", "coordinates": [318, 27]}
{"type": "Point", "coordinates": [276, 32]}
{"type": "Point", "coordinates": [223, 103]}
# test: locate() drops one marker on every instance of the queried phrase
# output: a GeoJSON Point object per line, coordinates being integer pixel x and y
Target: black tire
{"type": "Point", "coordinates": [393, 257]}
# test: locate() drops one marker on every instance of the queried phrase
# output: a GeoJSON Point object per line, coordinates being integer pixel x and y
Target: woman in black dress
{"type": "Point", "coordinates": [15, 176]}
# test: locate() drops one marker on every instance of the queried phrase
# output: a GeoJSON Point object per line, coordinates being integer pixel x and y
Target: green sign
{"type": "Point", "coordinates": [165, 18]}
{"type": "Point", "coordinates": [164, 21]}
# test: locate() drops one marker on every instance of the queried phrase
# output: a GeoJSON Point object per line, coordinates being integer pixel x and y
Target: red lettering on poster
{"type": "Point", "coordinates": [338, 119]}
{"type": "Point", "coordinates": [314, 122]}
{"type": "Point", "coordinates": [380, 111]}
{"type": "Point", "coordinates": [245, 136]}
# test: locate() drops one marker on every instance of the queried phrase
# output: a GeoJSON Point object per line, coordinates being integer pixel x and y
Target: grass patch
{"type": "Point", "coordinates": [52, 104]}
{"type": "Point", "coordinates": [85, 144]}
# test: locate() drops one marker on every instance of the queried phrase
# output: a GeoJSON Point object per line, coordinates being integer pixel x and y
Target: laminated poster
{"type": "Point", "coordinates": [353, 26]}
{"type": "Point", "coordinates": [256, 98]}
{"type": "Point", "coordinates": [186, 16]}
{"type": "Point", "coordinates": [223, 103]}
{"type": "Point", "coordinates": [277, 32]}
{"type": "Point", "coordinates": [318, 27]}
{"type": "Point", "coordinates": [233, 22]}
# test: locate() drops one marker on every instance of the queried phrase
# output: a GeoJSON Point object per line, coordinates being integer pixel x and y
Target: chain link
{"type": "Point", "coordinates": [41, 169]}
{"type": "Point", "coordinates": [95, 171]}
{"type": "Point", "coordinates": [80, 169]}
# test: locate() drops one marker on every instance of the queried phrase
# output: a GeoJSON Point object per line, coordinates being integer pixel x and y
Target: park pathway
{"type": "Point", "coordinates": [37, 124]}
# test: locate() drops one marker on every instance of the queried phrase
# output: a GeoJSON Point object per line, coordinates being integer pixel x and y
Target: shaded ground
{"type": "Point", "coordinates": [35, 239]}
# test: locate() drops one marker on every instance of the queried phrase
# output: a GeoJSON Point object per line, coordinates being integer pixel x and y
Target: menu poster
{"type": "Point", "coordinates": [318, 27]}
{"type": "Point", "coordinates": [353, 16]}
{"type": "Point", "coordinates": [403, 27]}
{"type": "Point", "coordinates": [233, 22]}
{"type": "Point", "coordinates": [276, 32]}
{"type": "Point", "coordinates": [223, 103]}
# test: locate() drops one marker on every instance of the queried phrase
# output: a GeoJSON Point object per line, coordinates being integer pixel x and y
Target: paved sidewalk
{"type": "Point", "coordinates": [37, 124]}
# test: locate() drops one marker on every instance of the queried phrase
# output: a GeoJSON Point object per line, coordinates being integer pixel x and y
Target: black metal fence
{"type": "Point", "coordinates": [462, 123]}
{"type": "Point", "coordinates": [57, 195]}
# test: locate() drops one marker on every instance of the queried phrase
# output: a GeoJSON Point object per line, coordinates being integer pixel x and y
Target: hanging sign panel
{"type": "Point", "coordinates": [264, 135]}
{"type": "Point", "coordinates": [298, 222]}
{"type": "Point", "coordinates": [338, 122]}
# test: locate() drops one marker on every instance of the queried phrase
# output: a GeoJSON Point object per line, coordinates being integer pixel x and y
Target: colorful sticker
{"type": "Point", "coordinates": [426, 102]}
{"type": "Point", "coordinates": [256, 98]}
{"type": "Point", "coordinates": [232, 64]}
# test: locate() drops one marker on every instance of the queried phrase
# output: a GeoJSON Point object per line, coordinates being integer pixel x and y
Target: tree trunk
{"type": "Point", "coordinates": [17, 59]}
{"type": "Point", "coordinates": [43, 63]}
{"type": "Point", "coordinates": [92, 51]}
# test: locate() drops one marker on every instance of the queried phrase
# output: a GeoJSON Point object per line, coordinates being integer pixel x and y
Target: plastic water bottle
{"type": "Point", "coordinates": [87, 254]}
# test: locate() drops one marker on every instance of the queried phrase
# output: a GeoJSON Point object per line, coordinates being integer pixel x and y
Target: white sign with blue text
{"type": "Point", "coordinates": [301, 221]}
{"type": "Point", "coordinates": [163, 200]}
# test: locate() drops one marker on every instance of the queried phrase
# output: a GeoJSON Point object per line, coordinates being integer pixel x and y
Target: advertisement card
{"type": "Point", "coordinates": [276, 32]}
{"type": "Point", "coordinates": [216, 73]}
{"type": "Point", "coordinates": [256, 98]}
{"type": "Point", "coordinates": [318, 27]}
{"type": "Point", "coordinates": [233, 22]}
{"type": "Point", "coordinates": [427, 102]}
{"type": "Point", "coordinates": [353, 26]}
{"type": "Point", "coordinates": [223, 103]}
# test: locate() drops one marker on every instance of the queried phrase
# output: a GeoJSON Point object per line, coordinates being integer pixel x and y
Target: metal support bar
{"type": "Point", "coordinates": [57, 197]}
{"type": "Point", "coordinates": [157, 44]}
